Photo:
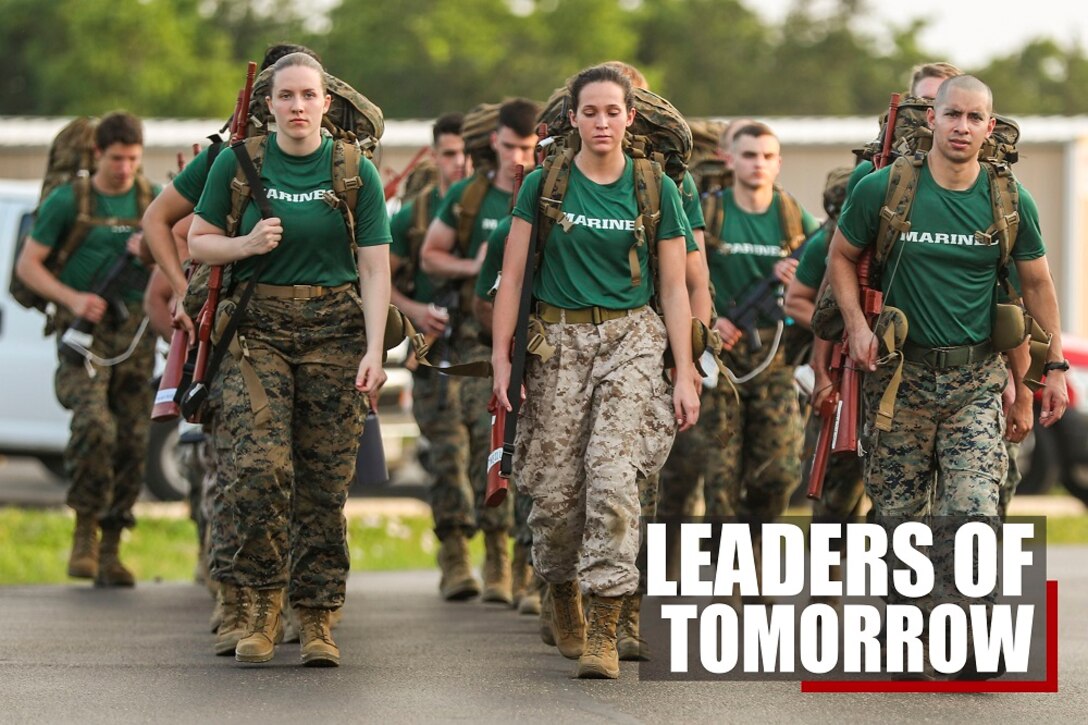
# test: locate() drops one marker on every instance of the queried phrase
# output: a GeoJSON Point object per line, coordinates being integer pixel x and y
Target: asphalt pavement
{"type": "Point", "coordinates": [74, 654]}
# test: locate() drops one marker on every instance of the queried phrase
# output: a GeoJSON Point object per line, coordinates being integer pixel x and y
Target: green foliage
{"type": "Point", "coordinates": [419, 58]}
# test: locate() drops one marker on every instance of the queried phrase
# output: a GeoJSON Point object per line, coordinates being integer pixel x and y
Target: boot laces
{"type": "Point", "coordinates": [264, 604]}
{"type": "Point", "coordinates": [567, 606]}
{"type": "Point", "coordinates": [314, 625]}
{"type": "Point", "coordinates": [598, 640]}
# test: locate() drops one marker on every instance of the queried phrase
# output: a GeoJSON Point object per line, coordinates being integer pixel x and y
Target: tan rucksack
{"type": "Point", "coordinates": [72, 161]}
{"type": "Point", "coordinates": [476, 129]}
{"type": "Point", "coordinates": [351, 115]}
{"type": "Point", "coordinates": [912, 134]}
{"type": "Point", "coordinates": [418, 190]}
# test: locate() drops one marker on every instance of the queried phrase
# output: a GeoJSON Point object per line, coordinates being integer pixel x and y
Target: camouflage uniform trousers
{"type": "Point", "coordinates": [292, 472]}
{"type": "Point", "coordinates": [222, 534]}
{"type": "Point", "coordinates": [436, 404]}
{"type": "Point", "coordinates": [111, 416]}
{"type": "Point", "coordinates": [944, 459]}
{"type": "Point", "coordinates": [597, 415]}
{"type": "Point", "coordinates": [761, 450]}
{"type": "Point", "coordinates": [475, 394]}
{"type": "Point", "coordinates": [1011, 480]}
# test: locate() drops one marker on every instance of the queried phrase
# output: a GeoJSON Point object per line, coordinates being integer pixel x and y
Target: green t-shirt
{"type": "Point", "coordinates": [102, 245]}
{"type": "Point", "coordinates": [315, 248]}
{"type": "Point", "coordinates": [495, 206]}
{"type": "Point", "coordinates": [749, 246]}
{"type": "Point", "coordinates": [945, 279]}
{"type": "Point", "coordinates": [190, 181]}
{"type": "Point", "coordinates": [489, 270]}
{"type": "Point", "coordinates": [860, 171]}
{"type": "Point", "coordinates": [399, 226]}
{"type": "Point", "coordinates": [588, 266]}
{"type": "Point", "coordinates": [813, 264]}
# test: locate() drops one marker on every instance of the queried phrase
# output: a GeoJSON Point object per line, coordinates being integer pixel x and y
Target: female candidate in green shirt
{"type": "Point", "coordinates": [303, 346]}
{"type": "Point", "coordinates": [598, 410]}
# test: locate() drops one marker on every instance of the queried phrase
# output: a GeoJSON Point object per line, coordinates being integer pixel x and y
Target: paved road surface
{"type": "Point", "coordinates": [74, 654]}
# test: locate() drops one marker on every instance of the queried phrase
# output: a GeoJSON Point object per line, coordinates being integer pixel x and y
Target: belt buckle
{"type": "Point", "coordinates": [301, 291]}
{"type": "Point", "coordinates": [938, 358]}
{"type": "Point", "coordinates": [595, 315]}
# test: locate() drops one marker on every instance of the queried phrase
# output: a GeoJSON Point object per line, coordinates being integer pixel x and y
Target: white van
{"type": "Point", "coordinates": [32, 422]}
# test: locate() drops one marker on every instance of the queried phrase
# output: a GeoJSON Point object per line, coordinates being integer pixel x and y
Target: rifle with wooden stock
{"type": "Point", "coordinates": [841, 410]}
{"type": "Point", "coordinates": [197, 393]}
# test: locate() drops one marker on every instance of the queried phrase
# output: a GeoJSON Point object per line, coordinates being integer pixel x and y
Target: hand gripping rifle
{"type": "Point", "coordinates": [198, 392]}
{"type": "Point", "coordinates": [842, 408]}
{"type": "Point", "coordinates": [761, 300]}
{"type": "Point", "coordinates": [76, 342]}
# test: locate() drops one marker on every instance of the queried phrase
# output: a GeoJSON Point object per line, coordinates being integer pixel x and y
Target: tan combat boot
{"type": "Point", "coordinates": [547, 635]}
{"type": "Point", "coordinates": [315, 635]}
{"type": "Point", "coordinates": [83, 561]}
{"type": "Point", "coordinates": [600, 660]}
{"type": "Point", "coordinates": [457, 582]}
{"type": "Point", "coordinates": [498, 584]}
{"type": "Point", "coordinates": [111, 572]}
{"type": "Point", "coordinates": [263, 628]}
{"type": "Point", "coordinates": [631, 647]}
{"type": "Point", "coordinates": [234, 604]}
{"type": "Point", "coordinates": [568, 622]}
{"type": "Point", "coordinates": [531, 599]}
{"type": "Point", "coordinates": [520, 573]}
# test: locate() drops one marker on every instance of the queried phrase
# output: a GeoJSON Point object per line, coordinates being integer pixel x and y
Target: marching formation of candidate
{"type": "Point", "coordinates": [611, 292]}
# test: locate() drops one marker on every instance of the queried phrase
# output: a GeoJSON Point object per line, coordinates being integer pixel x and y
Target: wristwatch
{"type": "Point", "coordinates": [1062, 365]}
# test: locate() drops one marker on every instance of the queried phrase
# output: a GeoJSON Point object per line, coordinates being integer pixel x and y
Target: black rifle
{"type": "Point", "coordinates": [122, 275]}
{"type": "Point", "coordinates": [762, 300]}
{"type": "Point", "coordinates": [448, 298]}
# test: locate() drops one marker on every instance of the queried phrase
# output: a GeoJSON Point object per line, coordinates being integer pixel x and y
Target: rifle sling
{"type": "Point", "coordinates": [257, 193]}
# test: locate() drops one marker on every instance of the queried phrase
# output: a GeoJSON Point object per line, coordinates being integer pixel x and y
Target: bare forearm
{"type": "Point", "coordinates": [800, 303]}
{"type": "Point", "coordinates": [1041, 301]}
{"type": "Point", "coordinates": [35, 276]}
{"type": "Point", "coordinates": [374, 284]}
{"type": "Point", "coordinates": [440, 263]}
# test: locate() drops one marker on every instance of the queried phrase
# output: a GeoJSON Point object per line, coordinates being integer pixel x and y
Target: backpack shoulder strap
{"type": "Point", "coordinates": [898, 200]}
{"type": "Point", "coordinates": [469, 208]}
{"type": "Point", "coordinates": [552, 188]}
{"type": "Point", "coordinates": [144, 194]}
{"type": "Point", "coordinates": [648, 180]}
{"type": "Point", "coordinates": [1005, 201]}
{"type": "Point", "coordinates": [714, 216]}
{"type": "Point", "coordinates": [789, 217]}
{"type": "Point", "coordinates": [346, 182]}
{"type": "Point", "coordinates": [239, 186]}
{"type": "Point", "coordinates": [84, 221]}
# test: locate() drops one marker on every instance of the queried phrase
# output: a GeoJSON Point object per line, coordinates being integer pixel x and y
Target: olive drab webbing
{"type": "Point", "coordinates": [468, 208]}
{"type": "Point", "coordinates": [72, 161]}
{"type": "Point", "coordinates": [789, 219]}
{"type": "Point", "coordinates": [420, 198]}
{"type": "Point", "coordinates": [351, 117]}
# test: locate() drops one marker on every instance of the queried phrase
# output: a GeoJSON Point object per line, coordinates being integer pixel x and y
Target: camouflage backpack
{"type": "Point", "coordinates": [418, 190]}
{"type": "Point", "coordinates": [351, 116]}
{"type": "Point", "coordinates": [707, 168]}
{"type": "Point", "coordinates": [72, 161]}
{"type": "Point", "coordinates": [476, 129]}
{"type": "Point", "coordinates": [913, 135]}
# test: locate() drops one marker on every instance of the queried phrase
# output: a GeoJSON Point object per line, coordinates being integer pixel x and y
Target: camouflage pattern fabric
{"type": "Point", "coordinates": [946, 445]}
{"type": "Point", "coordinates": [222, 533]}
{"type": "Point", "coordinates": [1011, 481]}
{"type": "Point", "coordinates": [475, 394]}
{"type": "Point", "coordinates": [292, 474]}
{"type": "Point", "coordinates": [598, 413]}
{"type": "Point", "coordinates": [107, 447]}
{"type": "Point", "coordinates": [761, 455]}
{"type": "Point", "coordinates": [436, 404]}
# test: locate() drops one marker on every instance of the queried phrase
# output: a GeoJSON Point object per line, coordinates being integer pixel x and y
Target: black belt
{"type": "Point", "coordinates": [943, 358]}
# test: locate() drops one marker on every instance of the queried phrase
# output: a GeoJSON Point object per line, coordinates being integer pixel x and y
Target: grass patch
{"type": "Point", "coordinates": [34, 546]}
